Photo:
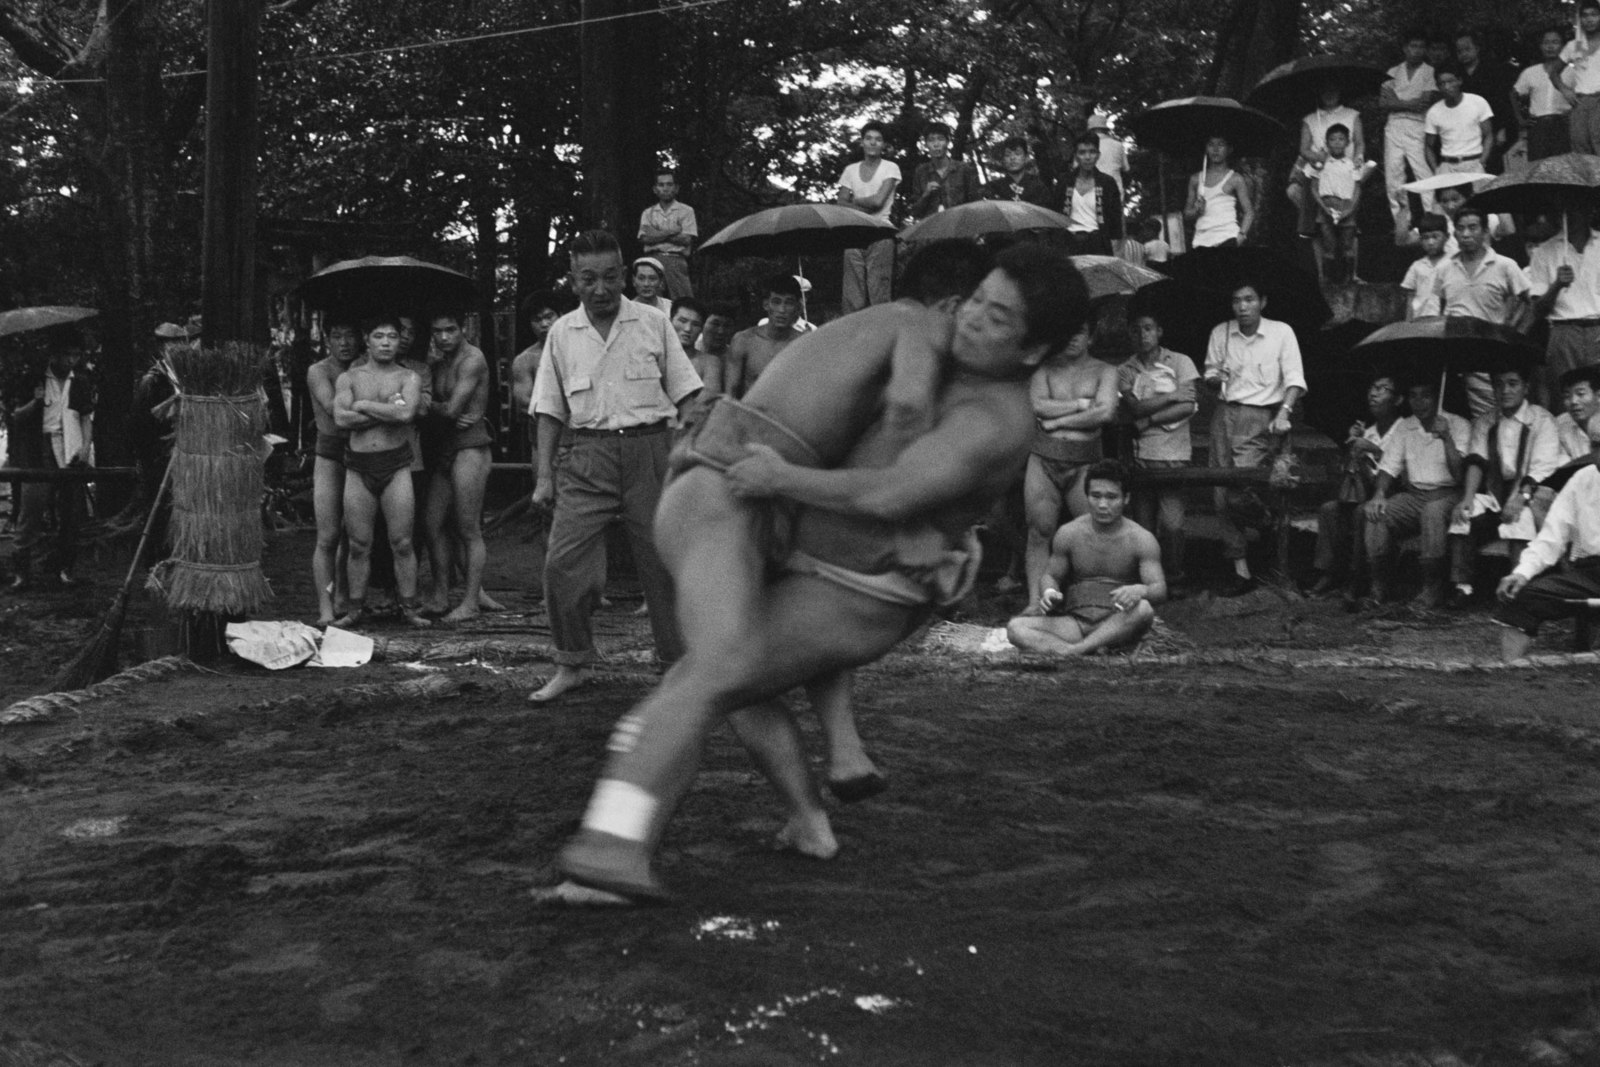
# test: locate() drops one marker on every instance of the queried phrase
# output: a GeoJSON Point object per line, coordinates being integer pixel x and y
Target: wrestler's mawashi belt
{"type": "Point", "coordinates": [1067, 450]}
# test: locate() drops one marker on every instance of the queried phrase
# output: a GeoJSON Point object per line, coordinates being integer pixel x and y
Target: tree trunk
{"type": "Point", "coordinates": [1257, 36]}
{"type": "Point", "coordinates": [621, 109]}
{"type": "Point", "coordinates": [229, 304]}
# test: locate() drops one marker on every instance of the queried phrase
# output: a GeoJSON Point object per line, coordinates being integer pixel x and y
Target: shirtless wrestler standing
{"type": "Point", "coordinates": [879, 541]}
{"type": "Point", "coordinates": [376, 402]}
{"type": "Point", "coordinates": [752, 351]}
{"type": "Point", "coordinates": [1103, 579]}
{"type": "Point", "coordinates": [342, 341]}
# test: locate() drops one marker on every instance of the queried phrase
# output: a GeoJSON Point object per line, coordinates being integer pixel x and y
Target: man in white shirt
{"type": "Point", "coordinates": [1427, 453]}
{"type": "Point", "coordinates": [1582, 76]}
{"type": "Point", "coordinates": [1580, 397]}
{"type": "Point", "coordinates": [1537, 589]}
{"type": "Point", "coordinates": [1513, 449]}
{"type": "Point", "coordinates": [869, 186]}
{"type": "Point", "coordinates": [1113, 154]}
{"type": "Point", "coordinates": [1480, 283]}
{"type": "Point", "coordinates": [1542, 97]}
{"type": "Point", "coordinates": [1406, 97]}
{"type": "Point", "coordinates": [1564, 281]}
{"type": "Point", "coordinates": [668, 230]}
{"type": "Point", "coordinates": [52, 431]}
{"type": "Point", "coordinates": [1255, 364]}
{"type": "Point", "coordinates": [1459, 129]}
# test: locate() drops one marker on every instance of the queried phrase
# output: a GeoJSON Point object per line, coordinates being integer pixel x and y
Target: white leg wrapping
{"type": "Point", "coordinates": [620, 809]}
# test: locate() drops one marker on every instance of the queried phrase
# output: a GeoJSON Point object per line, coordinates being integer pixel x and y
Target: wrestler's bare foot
{"type": "Point", "coordinates": [489, 603]}
{"type": "Point", "coordinates": [414, 617]}
{"type": "Point", "coordinates": [436, 605]}
{"type": "Point", "coordinates": [570, 894]}
{"type": "Point", "coordinates": [326, 620]}
{"type": "Point", "coordinates": [563, 681]}
{"type": "Point", "coordinates": [350, 618]}
{"type": "Point", "coordinates": [808, 835]}
{"type": "Point", "coordinates": [463, 611]}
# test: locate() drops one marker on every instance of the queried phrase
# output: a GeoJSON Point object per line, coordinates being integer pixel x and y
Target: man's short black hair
{"type": "Point", "coordinates": [593, 243]}
{"type": "Point", "coordinates": [722, 309]}
{"type": "Point", "coordinates": [1562, 29]}
{"type": "Point", "coordinates": [1521, 370]}
{"type": "Point", "coordinates": [1087, 139]}
{"type": "Point", "coordinates": [937, 129]}
{"type": "Point", "coordinates": [1054, 297]}
{"type": "Point", "coordinates": [1014, 144]}
{"type": "Point", "coordinates": [1427, 382]}
{"type": "Point", "coordinates": [1414, 33]}
{"type": "Point", "coordinates": [668, 171]}
{"type": "Point", "coordinates": [874, 124]}
{"type": "Point", "coordinates": [1107, 470]}
{"type": "Point", "coordinates": [1249, 281]}
{"type": "Point", "coordinates": [1452, 69]}
{"type": "Point", "coordinates": [560, 301]}
{"type": "Point", "coordinates": [455, 315]}
{"type": "Point", "coordinates": [1433, 222]}
{"type": "Point", "coordinates": [1475, 36]}
{"type": "Point", "coordinates": [1337, 127]}
{"type": "Point", "coordinates": [382, 318]}
{"type": "Point", "coordinates": [692, 304]}
{"type": "Point", "coordinates": [1589, 375]}
{"type": "Point", "coordinates": [944, 269]}
{"type": "Point", "coordinates": [1469, 209]}
{"type": "Point", "coordinates": [335, 319]}
{"type": "Point", "coordinates": [781, 285]}
{"type": "Point", "coordinates": [1587, 5]}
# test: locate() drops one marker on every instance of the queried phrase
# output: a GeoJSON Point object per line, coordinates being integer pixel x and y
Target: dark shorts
{"type": "Point", "coordinates": [377, 469]}
{"type": "Point", "coordinates": [331, 446]}
{"type": "Point", "coordinates": [478, 435]}
{"type": "Point", "coordinates": [1063, 462]}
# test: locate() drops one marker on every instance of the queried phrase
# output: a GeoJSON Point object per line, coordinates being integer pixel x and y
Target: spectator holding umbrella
{"type": "Point", "coordinates": [1314, 128]}
{"type": "Point", "coordinates": [1219, 201]}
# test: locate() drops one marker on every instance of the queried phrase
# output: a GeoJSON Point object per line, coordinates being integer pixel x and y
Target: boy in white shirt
{"type": "Point", "coordinates": [1337, 188]}
{"type": "Point", "coordinates": [1420, 276]}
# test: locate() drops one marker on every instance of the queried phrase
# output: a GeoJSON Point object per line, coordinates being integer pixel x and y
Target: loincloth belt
{"type": "Point", "coordinates": [1067, 450]}
{"type": "Point", "coordinates": [331, 446]}
{"type": "Point", "coordinates": [478, 435]}
{"type": "Point", "coordinates": [939, 583]}
{"type": "Point", "coordinates": [377, 469]}
{"type": "Point", "coordinates": [1089, 600]}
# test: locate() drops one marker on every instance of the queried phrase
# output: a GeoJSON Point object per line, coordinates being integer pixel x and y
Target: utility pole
{"type": "Point", "coordinates": [228, 252]}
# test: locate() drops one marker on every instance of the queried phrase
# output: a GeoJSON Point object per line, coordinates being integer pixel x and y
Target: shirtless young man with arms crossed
{"type": "Point", "coordinates": [1103, 580]}
{"type": "Point", "coordinates": [376, 402]}
{"type": "Point", "coordinates": [455, 491]}
{"type": "Point", "coordinates": [875, 547]}
{"type": "Point", "coordinates": [1074, 397]}
{"type": "Point", "coordinates": [752, 350]}
{"type": "Point", "coordinates": [342, 342]}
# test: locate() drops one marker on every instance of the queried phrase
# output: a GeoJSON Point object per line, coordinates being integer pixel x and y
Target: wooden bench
{"type": "Point", "coordinates": [1312, 479]}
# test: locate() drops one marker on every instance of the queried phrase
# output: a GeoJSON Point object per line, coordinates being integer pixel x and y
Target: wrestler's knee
{"type": "Point", "coordinates": [360, 546]}
{"type": "Point", "coordinates": [1021, 630]}
{"type": "Point", "coordinates": [400, 543]}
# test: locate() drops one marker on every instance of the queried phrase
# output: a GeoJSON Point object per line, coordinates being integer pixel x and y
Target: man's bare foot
{"type": "Point", "coordinates": [350, 618]}
{"type": "Point", "coordinates": [611, 864]}
{"type": "Point", "coordinates": [1514, 645]}
{"type": "Point", "coordinates": [489, 603]}
{"type": "Point", "coordinates": [463, 611]}
{"type": "Point", "coordinates": [326, 620]}
{"type": "Point", "coordinates": [563, 681]}
{"type": "Point", "coordinates": [436, 605]}
{"type": "Point", "coordinates": [415, 618]}
{"type": "Point", "coordinates": [808, 835]}
{"type": "Point", "coordinates": [570, 894]}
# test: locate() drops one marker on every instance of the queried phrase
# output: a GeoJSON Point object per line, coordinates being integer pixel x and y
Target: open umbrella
{"type": "Point", "coordinates": [1182, 127]}
{"type": "Point", "coordinates": [1110, 276]}
{"type": "Point", "coordinates": [1292, 293]}
{"type": "Point", "coordinates": [1448, 180]}
{"type": "Point", "coordinates": [799, 230]}
{"type": "Point", "coordinates": [387, 283]}
{"type": "Point", "coordinates": [981, 218]}
{"type": "Point", "coordinates": [1556, 182]}
{"type": "Point", "coordinates": [1422, 348]}
{"type": "Point", "coordinates": [21, 320]}
{"type": "Point", "coordinates": [1294, 89]}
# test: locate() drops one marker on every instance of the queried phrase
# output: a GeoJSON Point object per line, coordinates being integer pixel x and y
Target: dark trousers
{"type": "Point", "coordinates": [1545, 597]}
{"type": "Point", "coordinates": [1341, 539]}
{"type": "Point", "coordinates": [597, 479]}
{"type": "Point", "coordinates": [37, 500]}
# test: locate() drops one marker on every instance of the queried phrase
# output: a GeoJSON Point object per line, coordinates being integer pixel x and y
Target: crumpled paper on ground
{"type": "Point", "coordinates": [342, 648]}
{"type": "Point", "coordinates": [277, 645]}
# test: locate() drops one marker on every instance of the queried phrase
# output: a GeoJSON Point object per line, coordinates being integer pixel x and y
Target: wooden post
{"type": "Point", "coordinates": [228, 300]}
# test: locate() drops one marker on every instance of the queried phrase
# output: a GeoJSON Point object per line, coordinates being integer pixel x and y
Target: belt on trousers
{"type": "Point", "coordinates": [661, 426]}
{"type": "Point", "coordinates": [1240, 404]}
{"type": "Point", "coordinates": [1457, 159]}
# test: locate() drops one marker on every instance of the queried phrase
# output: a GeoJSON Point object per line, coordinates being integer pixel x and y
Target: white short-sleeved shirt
{"type": "Point", "coordinates": [1337, 178]}
{"type": "Point", "coordinates": [1581, 299]}
{"type": "Point", "coordinates": [1487, 291]}
{"type": "Point", "coordinates": [1419, 281]}
{"type": "Point", "coordinates": [1459, 128]}
{"type": "Point", "coordinates": [1583, 66]}
{"type": "Point", "coordinates": [1417, 456]}
{"type": "Point", "coordinates": [634, 376]}
{"type": "Point", "coordinates": [1544, 98]}
{"type": "Point", "coordinates": [851, 179]}
{"type": "Point", "coordinates": [1544, 440]}
{"type": "Point", "coordinates": [1572, 438]}
{"type": "Point", "coordinates": [1410, 88]}
{"type": "Point", "coordinates": [1113, 160]}
{"type": "Point", "coordinates": [1259, 369]}
{"type": "Point", "coordinates": [1573, 525]}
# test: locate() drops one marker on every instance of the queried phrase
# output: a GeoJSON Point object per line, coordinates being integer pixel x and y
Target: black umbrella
{"type": "Point", "coordinates": [1292, 293]}
{"type": "Point", "coordinates": [1294, 89]}
{"type": "Point", "coordinates": [799, 230]}
{"type": "Point", "coordinates": [1556, 182]}
{"type": "Point", "coordinates": [1182, 127]}
{"type": "Point", "coordinates": [21, 320]}
{"type": "Point", "coordinates": [1423, 348]}
{"type": "Point", "coordinates": [387, 283]}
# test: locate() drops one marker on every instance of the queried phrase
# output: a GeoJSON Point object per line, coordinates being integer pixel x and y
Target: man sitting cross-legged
{"type": "Point", "coordinates": [1540, 588]}
{"type": "Point", "coordinates": [376, 402]}
{"type": "Point", "coordinates": [1103, 580]}
{"type": "Point", "coordinates": [878, 542]}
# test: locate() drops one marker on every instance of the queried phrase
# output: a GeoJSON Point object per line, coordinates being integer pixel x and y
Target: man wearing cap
{"type": "Point", "coordinates": [668, 230]}
{"type": "Point", "coordinates": [649, 284]}
{"type": "Point", "coordinates": [52, 431]}
{"type": "Point", "coordinates": [611, 378]}
{"type": "Point", "coordinates": [1113, 154]}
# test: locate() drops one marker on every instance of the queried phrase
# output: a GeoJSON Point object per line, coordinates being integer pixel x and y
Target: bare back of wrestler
{"type": "Point", "coordinates": [811, 622]}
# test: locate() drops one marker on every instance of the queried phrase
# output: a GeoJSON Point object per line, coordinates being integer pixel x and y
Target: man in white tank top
{"type": "Point", "coordinates": [1219, 201]}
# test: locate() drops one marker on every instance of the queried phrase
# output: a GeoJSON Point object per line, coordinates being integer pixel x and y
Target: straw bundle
{"type": "Point", "coordinates": [218, 462]}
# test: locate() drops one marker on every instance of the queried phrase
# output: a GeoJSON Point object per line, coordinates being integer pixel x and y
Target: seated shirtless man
{"type": "Point", "coordinates": [376, 402]}
{"type": "Point", "coordinates": [459, 440]}
{"type": "Point", "coordinates": [1074, 398]}
{"type": "Point", "coordinates": [877, 543]}
{"type": "Point", "coordinates": [342, 341]}
{"type": "Point", "coordinates": [752, 351]}
{"type": "Point", "coordinates": [1103, 579]}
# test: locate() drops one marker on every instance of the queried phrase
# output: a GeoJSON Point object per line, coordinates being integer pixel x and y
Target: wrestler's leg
{"type": "Point", "coordinates": [360, 513]}
{"type": "Point", "coordinates": [808, 628]}
{"type": "Point", "coordinates": [768, 731]}
{"type": "Point", "coordinates": [437, 511]}
{"type": "Point", "coordinates": [710, 543]}
{"type": "Point", "coordinates": [1118, 629]}
{"type": "Point", "coordinates": [1042, 502]}
{"type": "Point", "coordinates": [469, 475]}
{"type": "Point", "coordinates": [1076, 497]}
{"type": "Point", "coordinates": [835, 709]}
{"type": "Point", "coordinates": [327, 501]}
{"type": "Point", "coordinates": [1052, 634]}
{"type": "Point", "coordinates": [399, 514]}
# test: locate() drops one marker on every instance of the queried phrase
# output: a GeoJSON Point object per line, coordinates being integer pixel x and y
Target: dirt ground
{"type": "Point", "coordinates": [1111, 863]}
